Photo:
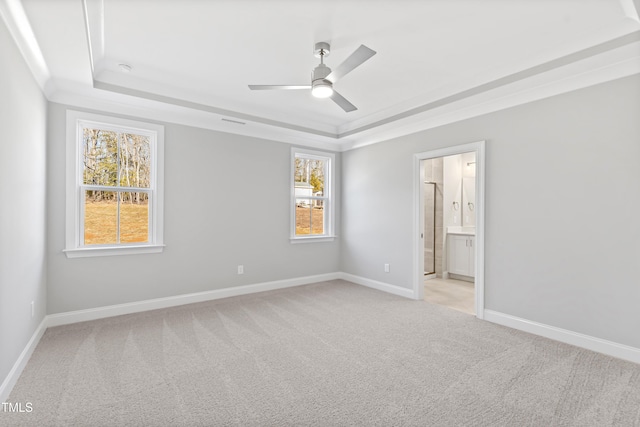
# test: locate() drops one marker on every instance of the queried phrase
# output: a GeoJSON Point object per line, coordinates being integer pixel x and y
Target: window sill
{"type": "Point", "coordinates": [295, 240]}
{"type": "Point", "coordinates": [112, 250]}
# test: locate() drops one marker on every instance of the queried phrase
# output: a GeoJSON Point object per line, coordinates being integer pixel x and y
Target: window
{"type": "Point", "coordinates": [114, 186]}
{"type": "Point", "coordinates": [312, 209]}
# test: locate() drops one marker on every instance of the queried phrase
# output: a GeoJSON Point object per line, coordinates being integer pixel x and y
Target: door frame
{"type": "Point", "coordinates": [418, 226]}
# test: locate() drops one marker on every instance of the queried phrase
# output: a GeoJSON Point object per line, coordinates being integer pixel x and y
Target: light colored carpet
{"type": "Point", "coordinates": [327, 354]}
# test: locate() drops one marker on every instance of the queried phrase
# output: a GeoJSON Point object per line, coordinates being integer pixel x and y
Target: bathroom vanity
{"type": "Point", "coordinates": [461, 253]}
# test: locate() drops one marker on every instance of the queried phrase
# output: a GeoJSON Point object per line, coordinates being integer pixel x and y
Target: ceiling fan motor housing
{"type": "Point", "coordinates": [321, 72]}
{"type": "Point", "coordinates": [320, 86]}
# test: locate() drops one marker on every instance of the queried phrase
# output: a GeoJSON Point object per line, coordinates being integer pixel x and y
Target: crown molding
{"type": "Point", "coordinates": [606, 66]}
{"type": "Point", "coordinates": [484, 84]}
{"type": "Point", "coordinates": [16, 20]}
{"type": "Point", "coordinates": [615, 58]}
{"type": "Point", "coordinates": [631, 9]}
{"type": "Point", "coordinates": [83, 96]}
{"type": "Point", "coordinates": [569, 71]}
{"type": "Point", "coordinates": [239, 117]}
{"type": "Point", "coordinates": [94, 28]}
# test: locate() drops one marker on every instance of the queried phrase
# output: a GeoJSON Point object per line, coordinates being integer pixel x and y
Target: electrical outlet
{"type": "Point", "coordinates": [386, 268]}
{"type": "Point", "coordinates": [33, 308]}
{"type": "Point", "coordinates": [241, 269]}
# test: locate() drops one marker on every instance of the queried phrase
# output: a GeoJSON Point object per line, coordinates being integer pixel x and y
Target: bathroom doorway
{"type": "Point", "coordinates": [449, 224]}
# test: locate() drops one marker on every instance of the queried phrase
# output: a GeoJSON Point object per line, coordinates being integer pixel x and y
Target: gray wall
{"type": "Point", "coordinates": [562, 208]}
{"type": "Point", "coordinates": [226, 203]}
{"type": "Point", "coordinates": [23, 111]}
{"type": "Point", "coordinates": [561, 222]}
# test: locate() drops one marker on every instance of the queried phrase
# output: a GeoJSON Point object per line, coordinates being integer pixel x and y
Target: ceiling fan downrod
{"type": "Point", "coordinates": [320, 86]}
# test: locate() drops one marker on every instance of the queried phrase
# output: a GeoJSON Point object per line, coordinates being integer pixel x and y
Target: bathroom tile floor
{"type": "Point", "coordinates": [456, 294]}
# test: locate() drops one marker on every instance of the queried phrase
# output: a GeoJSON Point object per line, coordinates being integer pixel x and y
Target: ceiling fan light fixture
{"type": "Point", "coordinates": [322, 78]}
{"type": "Point", "coordinates": [322, 89]}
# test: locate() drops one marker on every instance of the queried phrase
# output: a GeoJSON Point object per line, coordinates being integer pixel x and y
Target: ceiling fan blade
{"type": "Point", "coordinates": [355, 60]}
{"type": "Point", "coordinates": [342, 102]}
{"type": "Point", "coordinates": [277, 87]}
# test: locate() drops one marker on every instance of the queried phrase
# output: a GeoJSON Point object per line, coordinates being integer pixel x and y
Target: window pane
{"type": "Point", "coordinates": [300, 172]}
{"type": "Point", "coordinates": [100, 217]}
{"type": "Point", "coordinates": [100, 155]}
{"type": "Point", "coordinates": [134, 218]}
{"type": "Point", "coordinates": [317, 217]}
{"type": "Point", "coordinates": [312, 193]}
{"type": "Point", "coordinates": [310, 172]}
{"type": "Point", "coordinates": [303, 216]}
{"type": "Point", "coordinates": [135, 160]}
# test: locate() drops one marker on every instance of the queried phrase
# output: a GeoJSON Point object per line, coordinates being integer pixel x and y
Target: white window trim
{"type": "Point", "coordinates": [73, 232]}
{"type": "Point", "coordinates": [329, 187]}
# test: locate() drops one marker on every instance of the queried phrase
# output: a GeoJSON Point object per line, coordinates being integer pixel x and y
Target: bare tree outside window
{"type": "Point", "coordinates": [116, 177]}
{"type": "Point", "coordinates": [309, 181]}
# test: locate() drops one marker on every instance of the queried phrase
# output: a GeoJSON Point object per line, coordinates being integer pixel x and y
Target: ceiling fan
{"type": "Point", "coordinates": [323, 78]}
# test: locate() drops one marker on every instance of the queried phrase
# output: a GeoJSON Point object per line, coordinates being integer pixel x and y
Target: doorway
{"type": "Point", "coordinates": [449, 227]}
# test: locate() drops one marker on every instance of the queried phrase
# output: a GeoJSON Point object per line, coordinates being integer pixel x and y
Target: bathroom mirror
{"type": "Point", "coordinates": [468, 202]}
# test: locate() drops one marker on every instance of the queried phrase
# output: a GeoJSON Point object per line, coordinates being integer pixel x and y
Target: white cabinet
{"type": "Point", "coordinates": [462, 254]}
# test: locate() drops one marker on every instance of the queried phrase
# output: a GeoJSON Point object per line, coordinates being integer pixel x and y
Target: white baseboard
{"type": "Point", "coordinates": [14, 373]}
{"type": "Point", "coordinates": [595, 344]}
{"type": "Point", "coordinates": [157, 303]}
{"type": "Point", "coordinates": [462, 277]}
{"type": "Point", "coordinates": [381, 286]}
{"type": "Point", "coordinates": [139, 306]}
{"type": "Point", "coordinates": [609, 348]}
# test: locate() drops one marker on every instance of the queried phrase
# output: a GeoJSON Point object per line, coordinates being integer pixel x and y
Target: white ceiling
{"type": "Point", "coordinates": [437, 61]}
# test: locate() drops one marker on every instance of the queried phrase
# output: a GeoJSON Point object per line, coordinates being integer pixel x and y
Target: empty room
{"type": "Point", "coordinates": [330, 213]}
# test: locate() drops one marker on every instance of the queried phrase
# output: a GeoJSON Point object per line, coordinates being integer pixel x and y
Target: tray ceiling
{"type": "Point", "coordinates": [436, 61]}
